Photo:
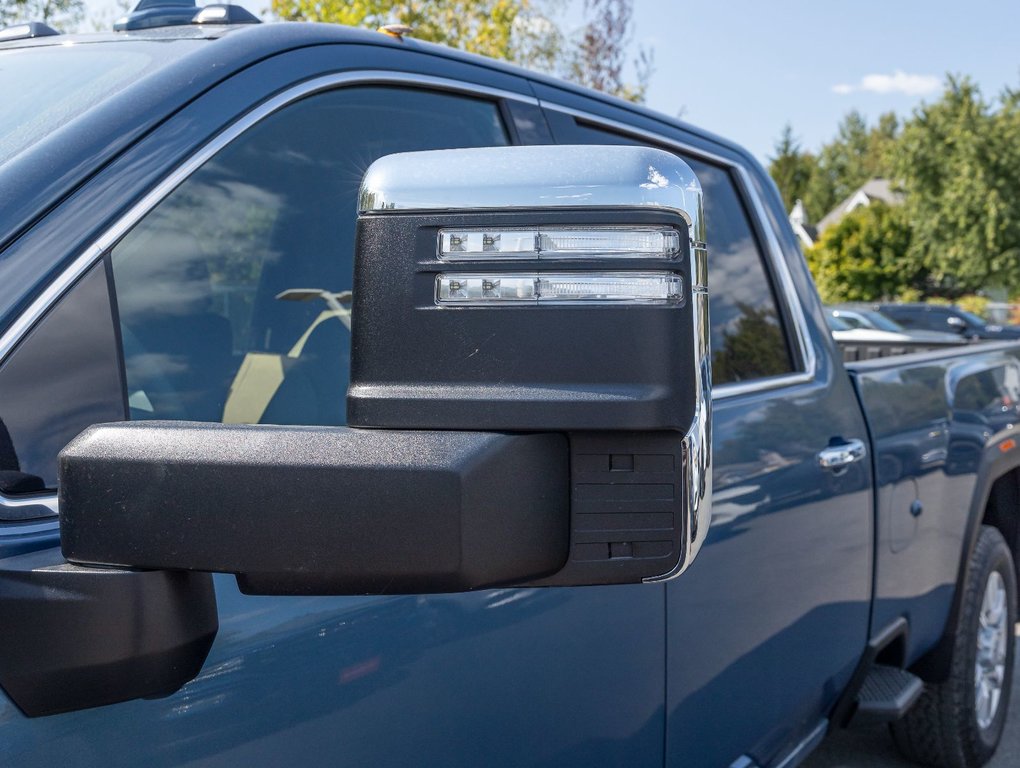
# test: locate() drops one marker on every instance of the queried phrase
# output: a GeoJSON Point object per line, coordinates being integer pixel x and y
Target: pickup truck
{"type": "Point", "coordinates": [399, 430]}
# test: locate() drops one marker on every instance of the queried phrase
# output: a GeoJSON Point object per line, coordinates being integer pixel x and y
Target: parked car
{"type": "Point", "coordinates": [865, 317]}
{"type": "Point", "coordinates": [859, 341]}
{"type": "Point", "coordinates": [519, 499]}
{"type": "Point", "coordinates": [937, 317]}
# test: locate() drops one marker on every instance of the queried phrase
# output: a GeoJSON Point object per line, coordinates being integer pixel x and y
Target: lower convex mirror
{"type": "Point", "coordinates": [528, 404]}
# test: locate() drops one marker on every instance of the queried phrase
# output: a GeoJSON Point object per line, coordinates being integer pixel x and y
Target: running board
{"type": "Point", "coordinates": [887, 694]}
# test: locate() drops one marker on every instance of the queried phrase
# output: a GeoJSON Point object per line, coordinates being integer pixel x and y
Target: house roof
{"type": "Point", "coordinates": [875, 189]}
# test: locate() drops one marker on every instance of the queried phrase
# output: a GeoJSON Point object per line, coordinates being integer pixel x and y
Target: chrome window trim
{"type": "Point", "coordinates": [13, 506]}
{"type": "Point", "coordinates": [773, 253]}
{"type": "Point", "coordinates": [93, 253]}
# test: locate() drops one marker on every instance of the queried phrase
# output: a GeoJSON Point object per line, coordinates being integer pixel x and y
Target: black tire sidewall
{"type": "Point", "coordinates": [990, 554]}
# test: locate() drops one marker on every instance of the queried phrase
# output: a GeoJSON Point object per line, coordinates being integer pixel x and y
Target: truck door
{"type": "Point", "coordinates": [765, 628]}
{"type": "Point", "coordinates": [230, 285]}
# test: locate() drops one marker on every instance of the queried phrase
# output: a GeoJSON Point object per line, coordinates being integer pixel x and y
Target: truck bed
{"type": "Point", "coordinates": [942, 425]}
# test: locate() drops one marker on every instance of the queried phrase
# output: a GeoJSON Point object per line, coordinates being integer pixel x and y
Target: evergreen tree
{"type": "Point", "coordinates": [791, 168]}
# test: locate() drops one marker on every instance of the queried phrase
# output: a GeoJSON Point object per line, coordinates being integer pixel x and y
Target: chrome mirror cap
{"type": "Point", "coordinates": [573, 176]}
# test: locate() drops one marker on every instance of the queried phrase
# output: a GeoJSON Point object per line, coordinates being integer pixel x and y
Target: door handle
{"type": "Point", "coordinates": [843, 454]}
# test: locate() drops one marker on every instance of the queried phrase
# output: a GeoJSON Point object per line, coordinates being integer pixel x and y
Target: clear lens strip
{"type": "Point", "coordinates": [559, 288]}
{"type": "Point", "coordinates": [559, 243]}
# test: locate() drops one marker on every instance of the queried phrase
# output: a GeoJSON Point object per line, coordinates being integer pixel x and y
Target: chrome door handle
{"type": "Point", "coordinates": [842, 455]}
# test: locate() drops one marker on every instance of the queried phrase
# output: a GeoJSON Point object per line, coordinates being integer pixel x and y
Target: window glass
{"type": "Point", "coordinates": [46, 87]}
{"type": "Point", "coordinates": [62, 378]}
{"type": "Point", "coordinates": [234, 292]}
{"type": "Point", "coordinates": [747, 336]}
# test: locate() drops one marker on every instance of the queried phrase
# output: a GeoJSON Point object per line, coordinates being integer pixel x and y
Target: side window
{"type": "Point", "coordinates": [234, 292]}
{"type": "Point", "coordinates": [935, 320]}
{"type": "Point", "coordinates": [908, 317]}
{"type": "Point", "coordinates": [747, 335]}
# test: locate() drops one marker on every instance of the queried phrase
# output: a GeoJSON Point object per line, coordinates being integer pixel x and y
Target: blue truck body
{"type": "Point", "coordinates": [742, 658]}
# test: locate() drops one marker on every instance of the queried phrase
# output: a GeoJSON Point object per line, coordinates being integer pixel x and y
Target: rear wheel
{"type": "Point", "coordinates": [958, 723]}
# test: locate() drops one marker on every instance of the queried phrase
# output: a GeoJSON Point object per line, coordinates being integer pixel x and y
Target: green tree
{"type": "Point", "coordinates": [479, 26]}
{"type": "Point", "coordinates": [959, 163]}
{"type": "Point", "coordinates": [520, 31]}
{"type": "Point", "coordinates": [63, 15]}
{"type": "Point", "coordinates": [865, 256]}
{"type": "Point", "coordinates": [857, 154]}
{"type": "Point", "coordinates": [791, 168]}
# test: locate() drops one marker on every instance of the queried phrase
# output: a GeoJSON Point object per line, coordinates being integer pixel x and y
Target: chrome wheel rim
{"type": "Point", "coordinates": [992, 639]}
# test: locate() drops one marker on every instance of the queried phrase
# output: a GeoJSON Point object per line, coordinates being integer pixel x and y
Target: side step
{"type": "Point", "coordinates": [887, 694]}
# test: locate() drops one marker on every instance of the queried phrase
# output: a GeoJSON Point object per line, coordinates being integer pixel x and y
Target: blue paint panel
{"type": "Point", "coordinates": [767, 625]}
{"type": "Point", "coordinates": [523, 677]}
{"type": "Point", "coordinates": [936, 423]}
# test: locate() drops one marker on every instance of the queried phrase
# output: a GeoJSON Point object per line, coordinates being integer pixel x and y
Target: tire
{"type": "Point", "coordinates": [958, 723]}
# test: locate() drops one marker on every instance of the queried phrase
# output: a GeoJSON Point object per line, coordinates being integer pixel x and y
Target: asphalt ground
{"type": "Point", "coordinates": [872, 746]}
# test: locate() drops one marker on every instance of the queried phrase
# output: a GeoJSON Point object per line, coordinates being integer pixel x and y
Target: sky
{"type": "Point", "coordinates": [745, 68]}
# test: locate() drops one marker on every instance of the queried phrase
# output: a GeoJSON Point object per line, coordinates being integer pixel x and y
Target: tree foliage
{"type": "Point", "coordinates": [479, 26]}
{"type": "Point", "coordinates": [63, 15]}
{"type": "Point", "coordinates": [857, 154]}
{"type": "Point", "coordinates": [958, 161]}
{"type": "Point", "coordinates": [791, 168]}
{"type": "Point", "coordinates": [865, 256]}
{"type": "Point", "coordinates": [599, 58]}
{"type": "Point", "coordinates": [519, 31]}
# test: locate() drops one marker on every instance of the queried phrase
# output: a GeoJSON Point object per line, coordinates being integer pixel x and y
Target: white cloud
{"type": "Point", "coordinates": [898, 82]}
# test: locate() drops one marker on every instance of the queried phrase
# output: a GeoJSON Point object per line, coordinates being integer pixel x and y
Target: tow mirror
{"type": "Point", "coordinates": [529, 399]}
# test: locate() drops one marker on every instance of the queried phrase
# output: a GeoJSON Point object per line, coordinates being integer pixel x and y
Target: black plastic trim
{"type": "Point", "coordinates": [76, 637]}
{"type": "Point", "coordinates": [318, 510]}
{"type": "Point", "coordinates": [415, 365]}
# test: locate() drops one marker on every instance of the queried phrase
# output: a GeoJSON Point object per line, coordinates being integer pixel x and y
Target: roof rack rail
{"type": "Point", "coordinates": [171, 13]}
{"type": "Point", "coordinates": [25, 31]}
{"type": "Point", "coordinates": [222, 13]}
{"type": "Point", "coordinates": [157, 13]}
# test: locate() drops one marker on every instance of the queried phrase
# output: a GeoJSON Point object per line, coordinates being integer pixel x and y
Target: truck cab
{"type": "Point", "coordinates": [177, 244]}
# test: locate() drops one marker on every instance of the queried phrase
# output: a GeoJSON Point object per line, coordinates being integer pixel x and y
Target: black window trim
{"type": "Point", "coordinates": [803, 353]}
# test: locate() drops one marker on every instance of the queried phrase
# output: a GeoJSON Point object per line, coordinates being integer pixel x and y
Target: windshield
{"type": "Point", "coordinates": [45, 87]}
{"type": "Point", "coordinates": [881, 322]}
{"type": "Point", "coordinates": [837, 324]}
{"type": "Point", "coordinates": [971, 318]}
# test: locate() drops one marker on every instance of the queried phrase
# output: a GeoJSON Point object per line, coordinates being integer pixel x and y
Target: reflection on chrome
{"type": "Point", "coordinates": [697, 450]}
{"type": "Point", "coordinates": [535, 177]}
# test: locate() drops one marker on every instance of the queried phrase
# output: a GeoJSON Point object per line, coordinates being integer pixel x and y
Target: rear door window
{"type": "Point", "coordinates": [748, 339]}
